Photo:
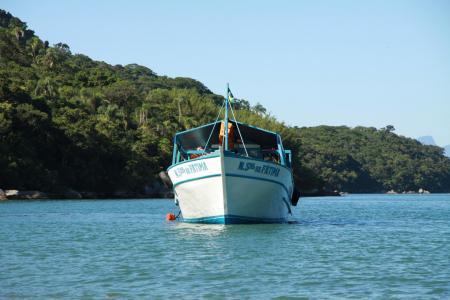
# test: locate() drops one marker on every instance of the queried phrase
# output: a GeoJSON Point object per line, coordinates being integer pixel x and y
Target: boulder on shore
{"type": "Point", "coordinates": [11, 193]}
{"type": "Point", "coordinates": [2, 195]}
{"type": "Point", "coordinates": [16, 194]}
{"type": "Point", "coordinates": [423, 191]}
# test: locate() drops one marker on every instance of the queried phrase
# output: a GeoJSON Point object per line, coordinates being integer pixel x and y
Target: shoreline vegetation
{"type": "Point", "coordinates": [161, 194]}
{"type": "Point", "coordinates": [70, 124]}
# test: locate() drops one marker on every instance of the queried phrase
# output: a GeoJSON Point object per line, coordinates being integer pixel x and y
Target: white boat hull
{"type": "Point", "coordinates": [224, 188]}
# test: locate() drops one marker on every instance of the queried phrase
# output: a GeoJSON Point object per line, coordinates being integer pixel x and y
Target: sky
{"type": "Point", "coordinates": [369, 63]}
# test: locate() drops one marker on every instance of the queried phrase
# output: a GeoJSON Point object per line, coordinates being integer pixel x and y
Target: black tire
{"type": "Point", "coordinates": [295, 196]}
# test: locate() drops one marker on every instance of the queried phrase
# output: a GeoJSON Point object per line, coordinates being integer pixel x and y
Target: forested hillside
{"type": "Point", "coordinates": [69, 122]}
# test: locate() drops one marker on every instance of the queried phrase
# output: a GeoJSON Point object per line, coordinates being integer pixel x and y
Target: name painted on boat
{"type": "Point", "coordinates": [191, 169]}
{"type": "Point", "coordinates": [257, 168]}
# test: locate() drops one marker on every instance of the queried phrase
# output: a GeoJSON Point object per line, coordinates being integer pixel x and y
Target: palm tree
{"type": "Point", "coordinates": [35, 45]}
{"type": "Point", "coordinates": [259, 109]}
{"type": "Point", "coordinates": [18, 33]}
{"type": "Point", "coordinates": [45, 87]}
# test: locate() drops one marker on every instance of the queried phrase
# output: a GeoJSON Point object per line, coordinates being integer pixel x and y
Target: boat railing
{"type": "Point", "coordinates": [288, 158]}
{"type": "Point", "coordinates": [272, 155]}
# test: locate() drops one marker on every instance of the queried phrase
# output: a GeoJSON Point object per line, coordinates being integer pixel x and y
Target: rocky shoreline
{"type": "Point", "coordinates": [420, 191]}
{"type": "Point", "coordinates": [158, 193]}
{"type": "Point", "coordinates": [70, 195]}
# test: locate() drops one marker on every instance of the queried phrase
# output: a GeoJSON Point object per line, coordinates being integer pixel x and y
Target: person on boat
{"type": "Point", "coordinates": [200, 152]}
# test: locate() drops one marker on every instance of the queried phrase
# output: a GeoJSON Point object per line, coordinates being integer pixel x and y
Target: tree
{"type": "Point", "coordinates": [36, 46]}
{"type": "Point", "coordinates": [259, 109]}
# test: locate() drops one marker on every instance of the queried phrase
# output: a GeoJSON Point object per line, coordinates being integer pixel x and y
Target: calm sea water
{"type": "Point", "coordinates": [359, 246]}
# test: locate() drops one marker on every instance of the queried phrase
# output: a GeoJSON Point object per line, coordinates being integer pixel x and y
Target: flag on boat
{"type": "Point", "coordinates": [230, 96]}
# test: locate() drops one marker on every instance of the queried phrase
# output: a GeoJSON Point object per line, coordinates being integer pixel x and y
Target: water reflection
{"type": "Point", "coordinates": [213, 230]}
{"type": "Point", "coordinates": [193, 229]}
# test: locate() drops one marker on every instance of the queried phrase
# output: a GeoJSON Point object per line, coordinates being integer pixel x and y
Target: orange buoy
{"type": "Point", "coordinates": [171, 217]}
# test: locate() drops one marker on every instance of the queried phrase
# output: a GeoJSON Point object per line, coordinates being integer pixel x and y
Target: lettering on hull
{"type": "Point", "coordinates": [258, 168]}
{"type": "Point", "coordinates": [191, 169]}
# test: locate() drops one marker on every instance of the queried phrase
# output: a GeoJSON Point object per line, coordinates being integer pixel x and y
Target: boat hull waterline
{"type": "Point", "coordinates": [223, 188]}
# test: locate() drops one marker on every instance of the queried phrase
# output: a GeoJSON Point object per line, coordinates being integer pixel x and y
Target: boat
{"type": "Point", "coordinates": [228, 172]}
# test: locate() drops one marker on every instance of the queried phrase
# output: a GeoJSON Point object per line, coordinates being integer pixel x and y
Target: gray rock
{"type": "Point", "coordinates": [423, 191]}
{"type": "Point", "coordinates": [71, 194]}
{"type": "Point", "coordinates": [11, 193]}
{"type": "Point", "coordinates": [15, 194]}
{"type": "Point", "coordinates": [2, 195]}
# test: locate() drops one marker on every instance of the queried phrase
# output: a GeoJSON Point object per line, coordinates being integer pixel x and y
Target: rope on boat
{"type": "Point", "coordinates": [215, 122]}
{"type": "Point", "coordinates": [237, 126]}
{"type": "Point", "coordinates": [239, 131]}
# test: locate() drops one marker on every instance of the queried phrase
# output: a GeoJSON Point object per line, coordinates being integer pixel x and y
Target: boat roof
{"type": "Point", "coordinates": [195, 137]}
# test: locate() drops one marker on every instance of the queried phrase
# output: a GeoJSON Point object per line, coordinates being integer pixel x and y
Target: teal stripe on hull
{"type": "Point", "coordinates": [197, 178]}
{"type": "Point", "coordinates": [233, 219]}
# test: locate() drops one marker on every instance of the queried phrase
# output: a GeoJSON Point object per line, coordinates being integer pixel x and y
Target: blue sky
{"type": "Point", "coordinates": [369, 63]}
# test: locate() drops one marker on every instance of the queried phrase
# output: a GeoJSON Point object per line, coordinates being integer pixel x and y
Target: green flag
{"type": "Point", "coordinates": [230, 96]}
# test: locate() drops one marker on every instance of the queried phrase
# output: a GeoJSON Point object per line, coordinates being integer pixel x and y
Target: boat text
{"type": "Point", "coordinates": [262, 169]}
{"type": "Point", "coordinates": [191, 169]}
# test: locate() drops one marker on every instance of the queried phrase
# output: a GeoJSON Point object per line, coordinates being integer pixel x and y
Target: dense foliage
{"type": "Point", "coordinates": [365, 159]}
{"type": "Point", "coordinates": [68, 122]}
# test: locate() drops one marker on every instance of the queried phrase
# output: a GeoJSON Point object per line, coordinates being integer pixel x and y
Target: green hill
{"type": "Point", "coordinates": [69, 122]}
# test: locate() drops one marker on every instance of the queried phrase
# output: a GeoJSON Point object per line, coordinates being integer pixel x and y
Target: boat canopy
{"type": "Point", "coordinates": [238, 138]}
{"type": "Point", "coordinates": [194, 138]}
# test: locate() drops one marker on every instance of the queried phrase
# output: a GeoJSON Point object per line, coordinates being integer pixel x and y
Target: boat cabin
{"type": "Point", "coordinates": [243, 140]}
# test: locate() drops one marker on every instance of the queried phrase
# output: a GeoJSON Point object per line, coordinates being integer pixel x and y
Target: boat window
{"type": "Point", "coordinates": [259, 143]}
{"type": "Point", "coordinates": [253, 150]}
{"type": "Point", "coordinates": [271, 155]}
{"type": "Point", "coordinates": [215, 147]}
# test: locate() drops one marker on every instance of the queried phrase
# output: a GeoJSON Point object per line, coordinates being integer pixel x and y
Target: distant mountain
{"type": "Point", "coordinates": [427, 140]}
{"type": "Point", "coordinates": [447, 150]}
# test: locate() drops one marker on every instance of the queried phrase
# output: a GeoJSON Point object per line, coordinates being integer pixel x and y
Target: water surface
{"type": "Point", "coordinates": [358, 246]}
